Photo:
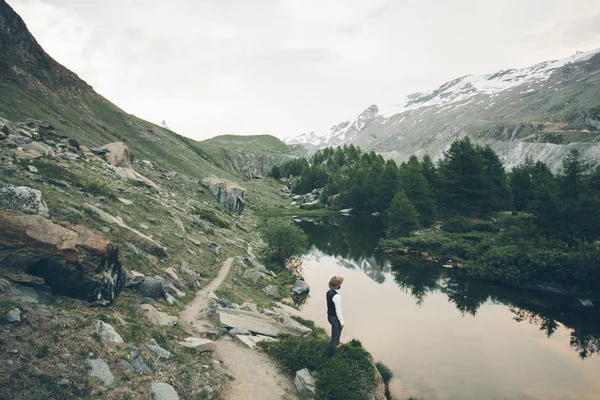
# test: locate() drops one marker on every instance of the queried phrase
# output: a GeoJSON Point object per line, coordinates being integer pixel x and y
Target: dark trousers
{"type": "Point", "coordinates": [336, 331]}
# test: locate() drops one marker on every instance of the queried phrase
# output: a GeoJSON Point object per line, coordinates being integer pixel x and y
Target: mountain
{"type": "Point", "coordinates": [541, 112]}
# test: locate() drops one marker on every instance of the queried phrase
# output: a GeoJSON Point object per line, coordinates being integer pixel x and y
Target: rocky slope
{"type": "Point", "coordinates": [539, 112]}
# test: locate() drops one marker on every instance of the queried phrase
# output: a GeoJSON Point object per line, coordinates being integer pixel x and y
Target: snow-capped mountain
{"type": "Point", "coordinates": [532, 111]}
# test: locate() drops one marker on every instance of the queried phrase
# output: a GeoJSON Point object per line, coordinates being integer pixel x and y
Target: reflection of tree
{"type": "Point", "coordinates": [416, 278]}
{"type": "Point", "coordinates": [353, 241]}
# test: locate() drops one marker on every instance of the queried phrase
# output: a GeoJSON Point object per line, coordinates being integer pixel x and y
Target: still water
{"type": "Point", "coordinates": [448, 337]}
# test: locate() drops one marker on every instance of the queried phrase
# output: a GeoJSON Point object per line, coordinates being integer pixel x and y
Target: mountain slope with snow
{"type": "Point", "coordinates": [539, 112]}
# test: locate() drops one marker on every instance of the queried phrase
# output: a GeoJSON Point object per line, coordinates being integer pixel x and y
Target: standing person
{"type": "Point", "coordinates": [334, 313]}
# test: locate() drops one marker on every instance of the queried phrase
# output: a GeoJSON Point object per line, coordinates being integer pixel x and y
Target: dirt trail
{"type": "Point", "coordinates": [256, 375]}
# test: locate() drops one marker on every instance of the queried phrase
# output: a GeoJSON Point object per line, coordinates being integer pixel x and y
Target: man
{"type": "Point", "coordinates": [334, 313]}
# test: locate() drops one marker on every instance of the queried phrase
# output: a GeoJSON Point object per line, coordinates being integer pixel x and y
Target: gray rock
{"type": "Point", "coordinates": [184, 267]}
{"type": "Point", "coordinates": [34, 295]}
{"type": "Point", "coordinates": [225, 303]}
{"type": "Point", "coordinates": [271, 291]}
{"type": "Point", "coordinates": [64, 383]}
{"type": "Point", "coordinates": [58, 183]}
{"type": "Point", "coordinates": [23, 199]}
{"type": "Point", "coordinates": [16, 140]}
{"type": "Point", "coordinates": [253, 322]}
{"type": "Point", "coordinates": [305, 383]}
{"type": "Point", "coordinates": [171, 300]}
{"type": "Point", "coordinates": [300, 288]}
{"type": "Point", "coordinates": [32, 169]}
{"type": "Point", "coordinates": [127, 365]}
{"type": "Point", "coordinates": [13, 315]}
{"type": "Point", "coordinates": [249, 307]}
{"type": "Point", "coordinates": [153, 288]}
{"type": "Point", "coordinates": [229, 194]}
{"type": "Point", "coordinates": [107, 332]}
{"type": "Point", "coordinates": [156, 317]}
{"type": "Point", "coordinates": [163, 391]}
{"type": "Point", "coordinates": [253, 275]}
{"type": "Point", "coordinates": [211, 334]}
{"type": "Point", "coordinates": [296, 328]}
{"type": "Point", "coordinates": [199, 344]}
{"type": "Point", "coordinates": [139, 363]}
{"type": "Point", "coordinates": [133, 249]}
{"type": "Point", "coordinates": [239, 331]}
{"type": "Point", "coordinates": [101, 371]}
{"type": "Point", "coordinates": [159, 351]}
{"type": "Point", "coordinates": [133, 278]}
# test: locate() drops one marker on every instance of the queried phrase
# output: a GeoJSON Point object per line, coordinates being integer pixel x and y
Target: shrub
{"type": "Point", "coordinates": [283, 240]}
{"type": "Point", "coordinates": [349, 375]}
{"type": "Point", "coordinates": [211, 217]}
{"type": "Point", "coordinates": [385, 372]}
{"type": "Point", "coordinates": [459, 225]}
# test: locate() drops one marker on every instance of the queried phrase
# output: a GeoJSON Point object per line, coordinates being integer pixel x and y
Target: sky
{"type": "Point", "coordinates": [286, 67]}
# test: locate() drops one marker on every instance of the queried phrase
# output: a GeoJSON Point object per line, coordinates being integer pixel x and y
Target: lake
{"type": "Point", "coordinates": [446, 336]}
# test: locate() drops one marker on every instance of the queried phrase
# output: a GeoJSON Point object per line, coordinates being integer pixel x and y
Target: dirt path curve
{"type": "Point", "coordinates": [256, 375]}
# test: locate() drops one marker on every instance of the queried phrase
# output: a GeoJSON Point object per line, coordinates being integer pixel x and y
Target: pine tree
{"type": "Point", "coordinates": [413, 183]}
{"type": "Point", "coordinates": [402, 218]}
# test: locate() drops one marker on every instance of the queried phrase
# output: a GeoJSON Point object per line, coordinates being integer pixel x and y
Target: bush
{"type": "Point", "coordinates": [385, 372]}
{"type": "Point", "coordinates": [349, 375]}
{"type": "Point", "coordinates": [211, 217]}
{"type": "Point", "coordinates": [283, 240]}
{"type": "Point", "coordinates": [459, 225]}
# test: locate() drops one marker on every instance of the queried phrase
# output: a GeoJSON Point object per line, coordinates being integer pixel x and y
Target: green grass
{"type": "Point", "coordinates": [385, 372]}
{"type": "Point", "coordinates": [212, 217]}
{"type": "Point", "coordinates": [348, 375]}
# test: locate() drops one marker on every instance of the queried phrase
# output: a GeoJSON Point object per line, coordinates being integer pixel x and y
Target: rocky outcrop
{"type": "Point", "coordinates": [163, 391]}
{"type": "Point", "coordinates": [22, 199]}
{"type": "Point", "coordinates": [230, 194]}
{"type": "Point", "coordinates": [74, 261]}
{"type": "Point", "coordinates": [100, 370]}
{"type": "Point", "coordinates": [300, 288]}
{"type": "Point", "coordinates": [251, 321]}
{"type": "Point", "coordinates": [116, 154]}
{"type": "Point", "coordinates": [253, 166]}
{"type": "Point", "coordinates": [157, 317]}
{"type": "Point", "coordinates": [107, 332]}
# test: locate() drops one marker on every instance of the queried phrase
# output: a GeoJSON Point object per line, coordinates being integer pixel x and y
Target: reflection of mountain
{"type": "Point", "coordinates": [542, 309]}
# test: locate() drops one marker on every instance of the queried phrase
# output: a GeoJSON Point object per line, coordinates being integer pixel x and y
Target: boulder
{"type": "Point", "coordinates": [133, 278]}
{"type": "Point", "coordinates": [305, 383]}
{"type": "Point", "coordinates": [271, 291]}
{"type": "Point", "coordinates": [133, 175]}
{"type": "Point", "coordinates": [107, 332]}
{"type": "Point", "coordinates": [153, 288]}
{"type": "Point", "coordinates": [25, 279]}
{"type": "Point", "coordinates": [300, 288]}
{"type": "Point", "coordinates": [100, 370]}
{"type": "Point", "coordinates": [22, 199]}
{"type": "Point", "coordinates": [252, 341]}
{"type": "Point", "coordinates": [284, 309]}
{"type": "Point", "coordinates": [230, 194]}
{"type": "Point", "coordinates": [251, 321]}
{"type": "Point", "coordinates": [13, 315]}
{"type": "Point", "coordinates": [117, 154]}
{"type": "Point", "coordinates": [75, 261]}
{"type": "Point", "coordinates": [253, 275]}
{"type": "Point", "coordinates": [139, 363]}
{"type": "Point", "coordinates": [249, 307]}
{"type": "Point", "coordinates": [296, 328]}
{"type": "Point", "coordinates": [159, 351]}
{"type": "Point", "coordinates": [157, 317]}
{"type": "Point", "coordinates": [199, 344]}
{"type": "Point", "coordinates": [163, 391]}
{"type": "Point", "coordinates": [239, 331]}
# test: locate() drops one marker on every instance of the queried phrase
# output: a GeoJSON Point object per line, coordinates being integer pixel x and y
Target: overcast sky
{"type": "Point", "coordinates": [285, 67]}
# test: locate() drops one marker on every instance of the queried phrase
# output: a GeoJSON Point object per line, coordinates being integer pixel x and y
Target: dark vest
{"type": "Point", "coordinates": [330, 303]}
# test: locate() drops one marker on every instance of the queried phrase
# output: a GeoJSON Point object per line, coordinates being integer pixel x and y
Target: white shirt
{"type": "Point", "coordinates": [337, 300]}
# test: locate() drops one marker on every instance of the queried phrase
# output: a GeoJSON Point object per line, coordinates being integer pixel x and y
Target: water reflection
{"type": "Point", "coordinates": [353, 241]}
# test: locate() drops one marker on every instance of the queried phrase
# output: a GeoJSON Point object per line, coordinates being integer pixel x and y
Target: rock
{"type": "Point", "coordinates": [34, 295]}
{"type": "Point", "coordinates": [107, 332]}
{"type": "Point", "coordinates": [125, 201]}
{"type": "Point", "coordinates": [116, 154]}
{"type": "Point", "coordinates": [163, 391]}
{"type": "Point", "coordinates": [142, 240]}
{"type": "Point", "coordinates": [156, 317]}
{"type": "Point", "coordinates": [284, 309]}
{"type": "Point", "coordinates": [23, 199]}
{"type": "Point", "coordinates": [101, 371]}
{"type": "Point", "coordinates": [229, 194]}
{"type": "Point", "coordinates": [133, 278]}
{"type": "Point", "coordinates": [300, 288]}
{"type": "Point", "coordinates": [127, 365]}
{"type": "Point", "coordinates": [249, 307]}
{"type": "Point", "coordinates": [585, 302]}
{"type": "Point", "coordinates": [39, 148]}
{"type": "Point", "coordinates": [159, 351]}
{"type": "Point", "coordinates": [379, 393]}
{"type": "Point", "coordinates": [252, 341]}
{"type": "Point", "coordinates": [199, 344]}
{"type": "Point", "coordinates": [171, 300]}
{"type": "Point", "coordinates": [271, 291]}
{"type": "Point", "coordinates": [311, 205]}
{"type": "Point", "coordinates": [58, 183]}
{"type": "Point", "coordinates": [16, 140]}
{"type": "Point", "coordinates": [170, 175]}
{"type": "Point", "coordinates": [225, 303]}
{"type": "Point", "coordinates": [13, 315]}
{"type": "Point", "coordinates": [270, 313]}
{"type": "Point", "coordinates": [24, 278]}
{"type": "Point", "coordinates": [296, 328]}
{"type": "Point", "coordinates": [253, 322]}
{"type": "Point", "coordinates": [74, 261]}
{"type": "Point", "coordinates": [32, 169]}
{"type": "Point", "coordinates": [305, 383]}
{"type": "Point", "coordinates": [153, 288]}
{"type": "Point", "coordinates": [239, 331]}
{"type": "Point", "coordinates": [139, 363]}
{"type": "Point", "coordinates": [133, 175]}
{"type": "Point", "coordinates": [253, 275]}
{"type": "Point", "coordinates": [171, 275]}
{"type": "Point", "coordinates": [211, 334]}
{"type": "Point", "coordinates": [185, 269]}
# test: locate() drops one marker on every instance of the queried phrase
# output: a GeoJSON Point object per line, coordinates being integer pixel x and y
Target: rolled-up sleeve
{"type": "Point", "coordinates": [337, 300]}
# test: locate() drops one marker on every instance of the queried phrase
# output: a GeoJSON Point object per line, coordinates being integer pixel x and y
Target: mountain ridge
{"type": "Point", "coordinates": [557, 96]}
